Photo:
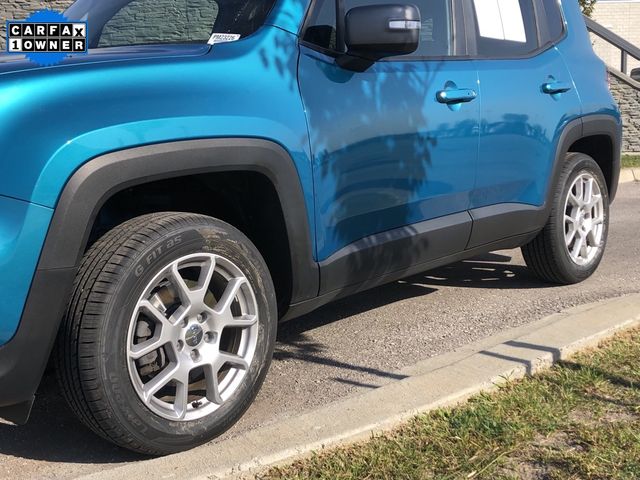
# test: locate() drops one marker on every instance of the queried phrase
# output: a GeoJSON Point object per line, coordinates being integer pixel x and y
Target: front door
{"type": "Point", "coordinates": [387, 153]}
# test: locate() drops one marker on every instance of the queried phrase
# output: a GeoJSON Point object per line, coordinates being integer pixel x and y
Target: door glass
{"type": "Point", "coordinates": [505, 27]}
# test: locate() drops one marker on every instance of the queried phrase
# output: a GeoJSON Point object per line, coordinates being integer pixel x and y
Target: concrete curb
{"type": "Point", "coordinates": [436, 382]}
{"type": "Point", "coordinates": [629, 175]}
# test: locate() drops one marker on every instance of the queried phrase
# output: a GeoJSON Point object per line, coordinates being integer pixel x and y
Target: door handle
{"type": "Point", "coordinates": [552, 88]}
{"type": "Point", "coordinates": [457, 95]}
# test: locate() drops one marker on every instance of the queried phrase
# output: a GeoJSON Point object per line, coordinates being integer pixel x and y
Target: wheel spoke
{"type": "Point", "coordinates": [160, 380]}
{"type": "Point", "coordinates": [595, 200]}
{"type": "Point", "coordinates": [229, 295]}
{"type": "Point", "coordinates": [138, 351]}
{"type": "Point", "coordinates": [213, 387]}
{"type": "Point", "coordinates": [579, 195]}
{"type": "Point", "coordinates": [231, 359]}
{"type": "Point", "coordinates": [577, 246]}
{"type": "Point", "coordinates": [206, 273]}
{"type": "Point", "coordinates": [584, 249]}
{"type": "Point", "coordinates": [570, 235]}
{"type": "Point", "coordinates": [588, 191]}
{"type": "Point", "coordinates": [180, 285]}
{"type": "Point", "coordinates": [181, 401]}
{"type": "Point", "coordinates": [245, 321]}
{"type": "Point", "coordinates": [157, 315]}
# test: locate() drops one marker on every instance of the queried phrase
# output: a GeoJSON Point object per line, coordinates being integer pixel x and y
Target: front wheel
{"type": "Point", "coordinates": [570, 247]}
{"type": "Point", "coordinates": [169, 332]}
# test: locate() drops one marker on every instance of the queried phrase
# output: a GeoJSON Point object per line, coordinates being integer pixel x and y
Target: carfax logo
{"type": "Point", "coordinates": [46, 37]}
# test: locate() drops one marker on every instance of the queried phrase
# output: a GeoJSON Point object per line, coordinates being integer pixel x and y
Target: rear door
{"type": "Point", "coordinates": [527, 97]}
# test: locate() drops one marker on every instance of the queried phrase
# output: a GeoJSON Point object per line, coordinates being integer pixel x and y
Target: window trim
{"type": "Point", "coordinates": [563, 33]}
{"type": "Point", "coordinates": [543, 37]}
{"type": "Point", "coordinates": [458, 36]}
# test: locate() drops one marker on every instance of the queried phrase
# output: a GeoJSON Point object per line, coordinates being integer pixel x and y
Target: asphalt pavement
{"type": "Point", "coordinates": [356, 344]}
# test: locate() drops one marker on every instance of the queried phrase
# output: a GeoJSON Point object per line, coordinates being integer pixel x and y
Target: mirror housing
{"type": "Point", "coordinates": [374, 32]}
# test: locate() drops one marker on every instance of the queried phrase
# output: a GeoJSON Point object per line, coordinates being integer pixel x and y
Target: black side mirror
{"type": "Point", "coordinates": [635, 74]}
{"type": "Point", "coordinates": [374, 32]}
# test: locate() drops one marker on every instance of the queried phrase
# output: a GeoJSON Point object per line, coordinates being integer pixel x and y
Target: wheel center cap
{"type": "Point", "coordinates": [194, 336]}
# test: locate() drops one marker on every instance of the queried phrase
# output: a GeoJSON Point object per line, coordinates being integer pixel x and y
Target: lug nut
{"type": "Point", "coordinates": [180, 345]}
{"type": "Point", "coordinates": [195, 355]}
{"type": "Point", "coordinates": [210, 337]}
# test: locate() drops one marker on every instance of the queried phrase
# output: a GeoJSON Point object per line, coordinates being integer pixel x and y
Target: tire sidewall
{"type": "Point", "coordinates": [155, 431]}
{"type": "Point", "coordinates": [581, 164]}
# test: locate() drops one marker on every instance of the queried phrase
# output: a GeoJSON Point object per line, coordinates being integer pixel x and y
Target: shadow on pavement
{"type": "Point", "coordinates": [53, 434]}
{"type": "Point", "coordinates": [486, 271]}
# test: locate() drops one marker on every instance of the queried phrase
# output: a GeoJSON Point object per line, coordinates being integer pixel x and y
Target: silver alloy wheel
{"type": "Point", "coordinates": [583, 219]}
{"type": "Point", "coordinates": [192, 337]}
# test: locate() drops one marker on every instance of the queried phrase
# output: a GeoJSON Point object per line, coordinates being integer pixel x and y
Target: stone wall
{"type": "Point", "coordinates": [160, 21]}
{"type": "Point", "coordinates": [21, 9]}
{"type": "Point", "coordinates": [628, 98]}
{"type": "Point", "coordinates": [142, 21]}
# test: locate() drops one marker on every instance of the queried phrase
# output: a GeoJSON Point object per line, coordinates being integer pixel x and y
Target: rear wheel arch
{"type": "Point", "coordinates": [598, 136]}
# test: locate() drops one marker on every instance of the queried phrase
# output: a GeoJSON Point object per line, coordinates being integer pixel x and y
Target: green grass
{"type": "Point", "coordinates": [579, 420]}
{"type": "Point", "coordinates": [629, 161]}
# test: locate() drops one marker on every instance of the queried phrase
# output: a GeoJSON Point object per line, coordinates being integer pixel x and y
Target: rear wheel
{"type": "Point", "coordinates": [169, 333]}
{"type": "Point", "coordinates": [570, 247]}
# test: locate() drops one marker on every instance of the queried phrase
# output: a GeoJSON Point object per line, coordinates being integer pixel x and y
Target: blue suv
{"type": "Point", "coordinates": [214, 167]}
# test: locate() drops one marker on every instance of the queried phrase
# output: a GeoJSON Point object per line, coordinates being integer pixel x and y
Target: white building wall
{"type": "Point", "coordinates": [623, 18]}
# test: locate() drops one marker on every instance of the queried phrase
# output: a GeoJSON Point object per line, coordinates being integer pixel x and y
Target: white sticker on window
{"type": "Point", "coordinates": [500, 19]}
{"type": "Point", "coordinates": [223, 38]}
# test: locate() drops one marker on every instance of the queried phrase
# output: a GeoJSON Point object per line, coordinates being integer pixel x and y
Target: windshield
{"type": "Point", "coordinates": [117, 23]}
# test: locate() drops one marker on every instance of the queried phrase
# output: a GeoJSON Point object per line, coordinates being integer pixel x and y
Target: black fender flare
{"type": "Point", "coordinates": [597, 124]}
{"type": "Point", "coordinates": [99, 179]}
{"type": "Point", "coordinates": [24, 358]}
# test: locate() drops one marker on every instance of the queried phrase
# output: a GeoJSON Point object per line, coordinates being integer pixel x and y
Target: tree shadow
{"type": "Point", "coordinates": [485, 271]}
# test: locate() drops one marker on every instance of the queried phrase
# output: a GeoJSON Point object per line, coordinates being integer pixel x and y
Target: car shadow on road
{"type": "Point", "coordinates": [54, 434]}
{"type": "Point", "coordinates": [492, 270]}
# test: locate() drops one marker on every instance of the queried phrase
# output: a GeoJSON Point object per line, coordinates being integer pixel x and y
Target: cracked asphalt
{"type": "Point", "coordinates": [356, 344]}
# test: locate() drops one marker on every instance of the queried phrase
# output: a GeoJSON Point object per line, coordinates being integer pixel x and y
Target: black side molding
{"type": "Point", "coordinates": [395, 250]}
{"type": "Point", "coordinates": [504, 220]}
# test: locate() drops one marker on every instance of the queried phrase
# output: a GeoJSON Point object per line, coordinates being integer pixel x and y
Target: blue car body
{"type": "Point", "coordinates": [373, 152]}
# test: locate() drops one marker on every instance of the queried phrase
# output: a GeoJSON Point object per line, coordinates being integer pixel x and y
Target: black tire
{"type": "Point", "coordinates": [547, 254]}
{"type": "Point", "coordinates": [91, 351]}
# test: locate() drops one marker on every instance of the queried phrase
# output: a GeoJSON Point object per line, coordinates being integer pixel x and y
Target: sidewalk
{"type": "Point", "coordinates": [630, 175]}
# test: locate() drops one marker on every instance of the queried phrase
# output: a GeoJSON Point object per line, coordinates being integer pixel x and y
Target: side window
{"type": "Point", "coordinates": [555, 23]}
{"type": "Point", "coordinates": [436, 36]}
{"type": "Point", "coordinates": [505, 28]}
{"type": "Point", "coordinates": [143, 22]}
